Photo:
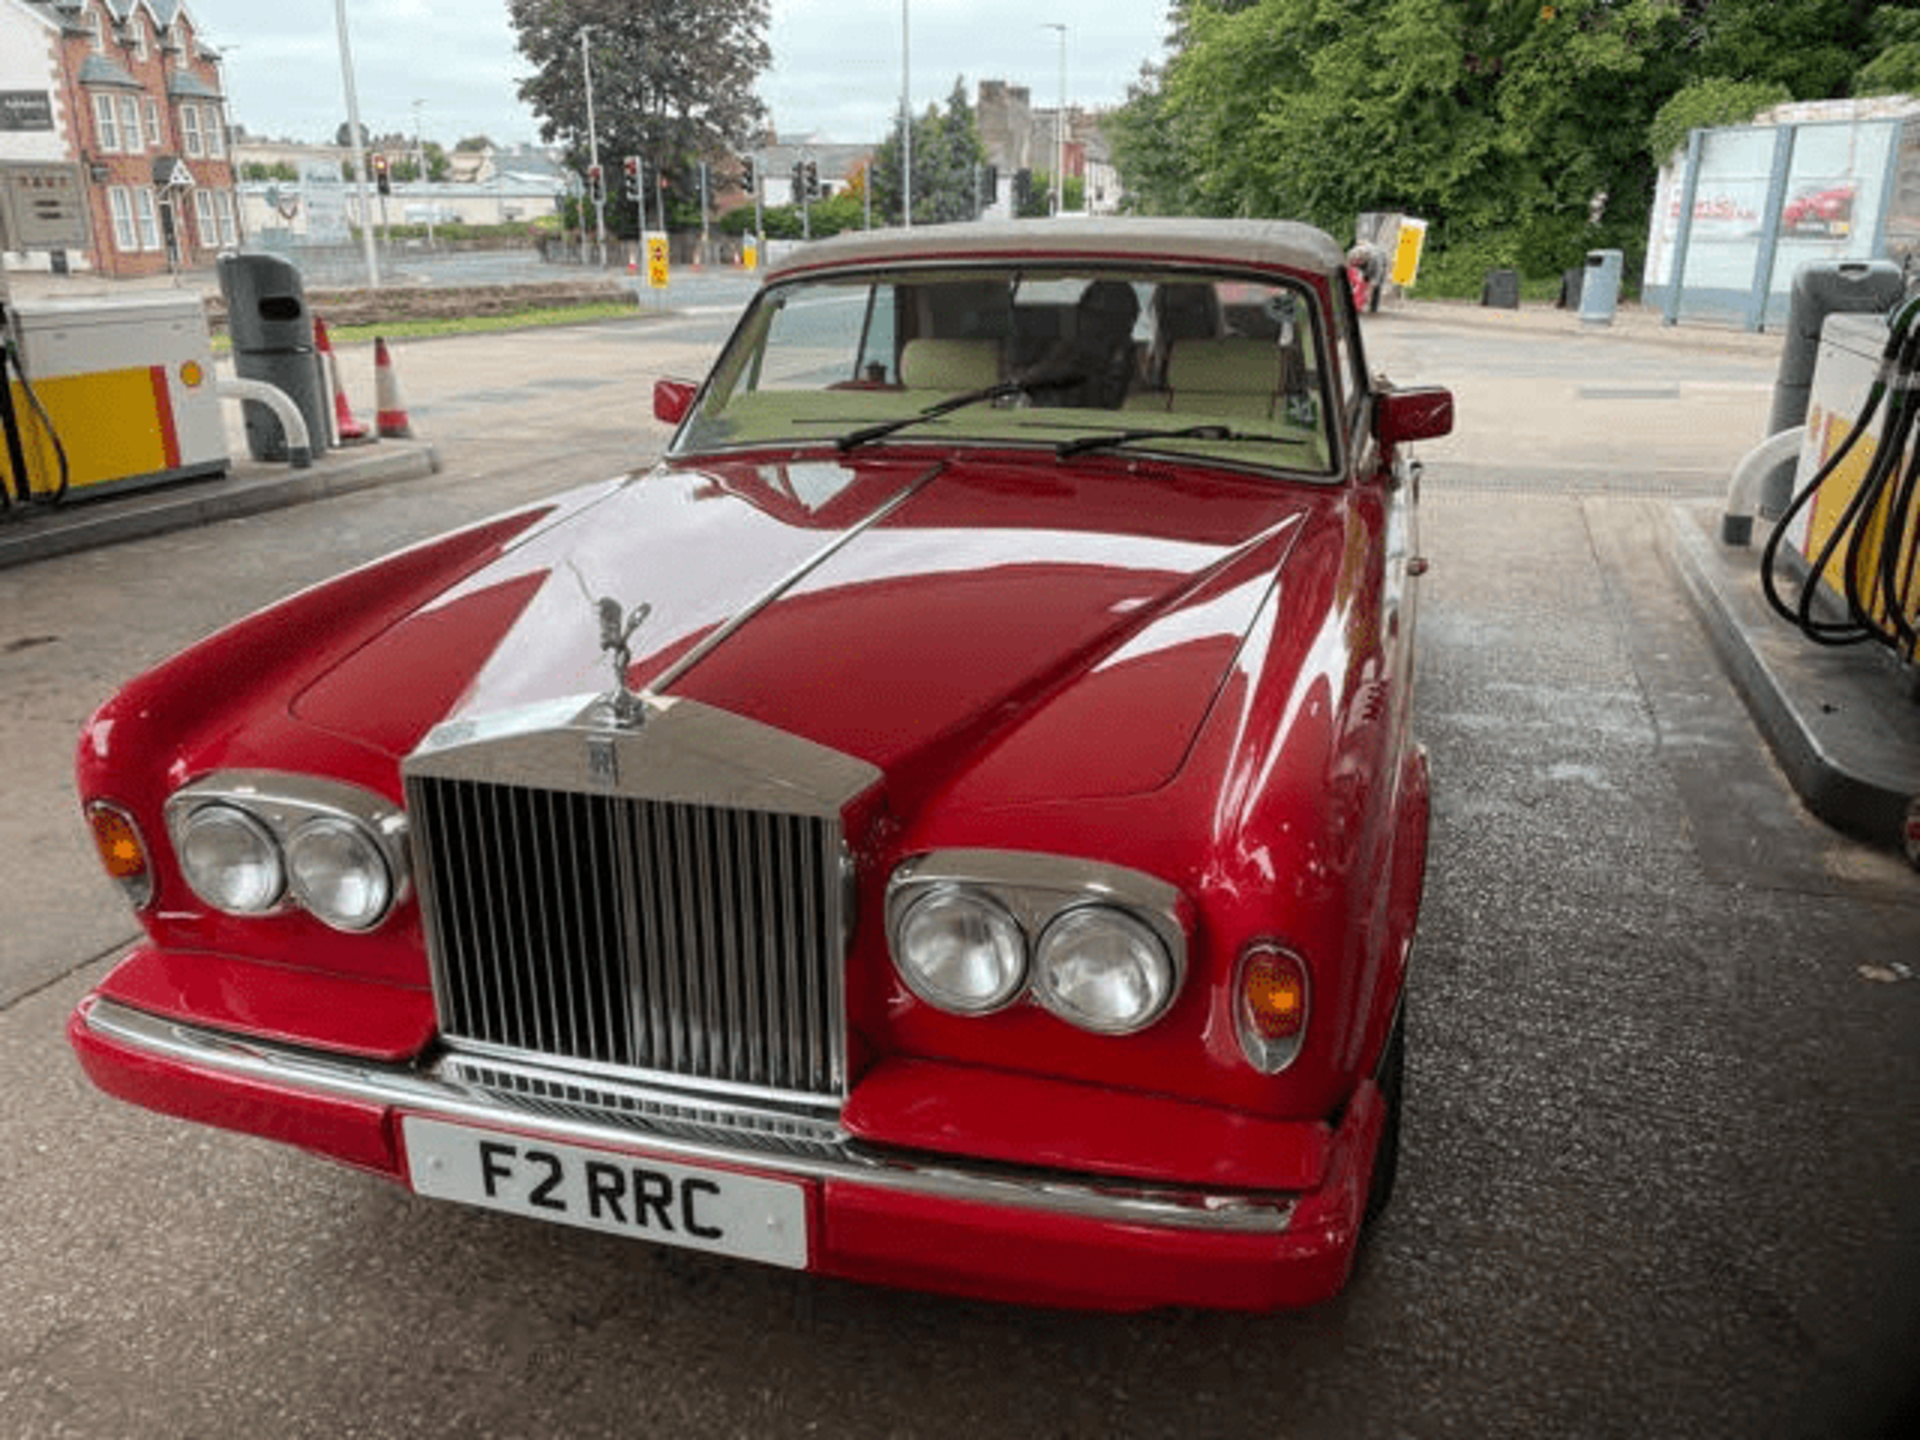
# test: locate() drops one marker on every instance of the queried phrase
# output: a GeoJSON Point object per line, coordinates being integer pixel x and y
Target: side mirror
{"type": "Point", "coordinates": [1403, 416]}
{"type": "Point", "coordinates": [672, 399]}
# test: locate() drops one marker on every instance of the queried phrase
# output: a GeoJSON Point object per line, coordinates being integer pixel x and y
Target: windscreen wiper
{"type": "Point", "coordinates": [1068, 448]}
{"type": "Point", "coordinates": [1004, 390]}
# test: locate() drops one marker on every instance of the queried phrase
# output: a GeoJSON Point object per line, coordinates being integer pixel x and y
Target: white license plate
{"type": "Point", "coordinates": [743, 1215]}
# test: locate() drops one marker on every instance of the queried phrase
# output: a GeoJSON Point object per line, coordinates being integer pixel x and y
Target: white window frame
{"type": "Point", "coordinates": [120, 202]}
{"type": "Point", "coordinates": [106, 121]}
{"type": "Point", "coordinates": [206, 226]}
{"type": "Point", "coordinates": [155, 137]}
{"type": "Point", "coordinates": [184, 32]}
{"type": "Point", "coordinates": [148, 214]}
{"type": "Point", "coordinates": [190, 129]}
{"type": "Point", "coordinates": [97, 30]}
{"type": "Point", "coordinates": [130, 133]}
{"type": "Point", "coordinates": [216, 133]}
{"type": "Point", "coordinates": [139, 37]}
{"type": "Point", "coordinates": [224, 202]}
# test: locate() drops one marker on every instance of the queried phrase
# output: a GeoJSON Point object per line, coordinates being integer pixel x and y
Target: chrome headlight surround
{"type": "Point", "coordinates": [340, 851]}
{"type": "Point", "coordinates": [1052, 900]}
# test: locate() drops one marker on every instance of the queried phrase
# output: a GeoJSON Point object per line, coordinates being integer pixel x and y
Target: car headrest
{"type": "Point", "coordinates": [949, 365]}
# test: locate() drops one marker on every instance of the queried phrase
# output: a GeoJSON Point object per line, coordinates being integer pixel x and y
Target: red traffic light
{"type": "Point", "coordinates": [593, 174]}
{"type": "Point", "coordinates": [632, 167]}
{"type": "Point", "coordinates": [379, 163]}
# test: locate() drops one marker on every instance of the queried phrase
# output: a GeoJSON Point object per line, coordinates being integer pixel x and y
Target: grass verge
{"type": "Point", "coordinates": [469, 324]}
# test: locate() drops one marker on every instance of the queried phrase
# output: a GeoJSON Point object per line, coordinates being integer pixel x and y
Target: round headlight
{"type": "Point", "coordinates": [960, 951]}
{"type": "Point", "coordinates": [339, 873]}
{"type": "Point", "coordinates": [231, 861]}
{"type": "Point", "coordinates": [1103, 970]}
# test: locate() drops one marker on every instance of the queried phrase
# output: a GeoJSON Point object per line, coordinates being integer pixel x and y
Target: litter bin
{"type": "Point", "coordinates": [1501, 290]}
{"type": "Point", "coordinates": [272, 333]}
{"type": "Point", "coordinates": [1600, 288]}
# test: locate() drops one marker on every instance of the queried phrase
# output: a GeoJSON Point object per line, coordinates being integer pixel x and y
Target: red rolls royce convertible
{"type": "Point", "coordinates": [954, 822]}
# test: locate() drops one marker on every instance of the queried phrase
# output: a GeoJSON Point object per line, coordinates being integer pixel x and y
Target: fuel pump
{"type": "Point", "coordinates": [42, 207]}
{"type": "Point", "coordinates": [16, 453]}
{"type": "Point", "coordinates": [1855, 523]}
{"type": "Point", "coordinates": [9, 421]}
{"type": "Point", "coordinates": [96, 394]}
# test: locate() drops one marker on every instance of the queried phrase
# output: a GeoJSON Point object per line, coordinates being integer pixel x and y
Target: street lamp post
{"type": "Point", "coordinates": [759, 210]}
{"type": "Point", "coordinates": [359, 150]}
{"type": "Point", "coordinates": [1060, 127]}
{"type": "Point", "coordinates": [906, 116]}
{"type": "Point", "coordinates": [420, 169]}
{"type": "Point", "coordinates": [593, 156]}
{"type": "Point", "coordinates": [226, 118]}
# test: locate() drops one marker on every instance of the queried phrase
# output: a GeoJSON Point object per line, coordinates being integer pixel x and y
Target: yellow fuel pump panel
{"type": "Point", "coordinates": [127, 387]}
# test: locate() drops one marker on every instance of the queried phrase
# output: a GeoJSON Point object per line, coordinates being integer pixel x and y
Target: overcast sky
{"type": "Point", "coordinates": [836, 63]}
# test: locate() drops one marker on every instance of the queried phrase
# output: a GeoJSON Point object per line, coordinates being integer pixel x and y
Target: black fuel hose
{"type": "Point", "coordinates": [59, 492]}
{"type": "Point", "coordinates": [1897, 384]}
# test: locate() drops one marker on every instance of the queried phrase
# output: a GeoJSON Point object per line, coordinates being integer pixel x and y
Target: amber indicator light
{"type": "Point", "coordinates": [118, 842]}
{"type": "Point", "coordinates": [1276, 995]}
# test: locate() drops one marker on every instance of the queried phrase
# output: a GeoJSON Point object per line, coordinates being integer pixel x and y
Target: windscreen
{"type": "Point", "coordinates": [1074, 358]}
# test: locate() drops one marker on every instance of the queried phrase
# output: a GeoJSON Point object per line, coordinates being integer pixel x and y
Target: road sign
{"type": "Point", "coordinates": [324, 191]}
{"type": "Point", "coordinates": [657, 262]}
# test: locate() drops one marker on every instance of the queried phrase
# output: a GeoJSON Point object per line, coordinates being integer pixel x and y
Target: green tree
{"type": "Point", "coordinates": [946, 152]}
{"type": "Point", "coordinates": [672, 80]}
{"type": "Point", "coordinates": [1040, 196]}
{"type": "Point", "coordinates": [1812, 47]}
{"type": "Point", "coordinates": [1895, 69]}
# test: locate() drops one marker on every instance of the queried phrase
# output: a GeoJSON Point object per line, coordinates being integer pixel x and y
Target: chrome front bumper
{"type": "Point", "coordinates": [450, 1089]}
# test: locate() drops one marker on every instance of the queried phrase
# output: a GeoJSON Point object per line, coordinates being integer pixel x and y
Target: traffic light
{"type": "Point", "coordinates": [813, 181]}
{"type": "Point", "coordinates": [381, 178]}
{"type": "Point", "coordinates": [799, 181]}
{"type": "Point", "coordinates": [1022, 189]}
{"type": "Point", "coordinates": [631, 165]}
{"type": "Point", "coordinates": [747, 175]}
{"type": "Point", "coordinates": [990, 183]}
{"type": "Point", "coordinates": [596, 184]}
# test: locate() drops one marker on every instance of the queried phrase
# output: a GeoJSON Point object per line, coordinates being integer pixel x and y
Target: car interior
{"type": "Point", "coordinates": [1230, 352]}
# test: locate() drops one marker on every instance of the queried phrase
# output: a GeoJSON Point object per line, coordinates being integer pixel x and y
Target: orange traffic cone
{"type": "Point", "coordinates": [350, 431]}
{"type": "Point", "coordinates": [392, 416]}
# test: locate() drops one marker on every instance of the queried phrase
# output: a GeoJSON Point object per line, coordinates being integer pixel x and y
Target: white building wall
{"type": "Point", "coordinates": [30, 61]}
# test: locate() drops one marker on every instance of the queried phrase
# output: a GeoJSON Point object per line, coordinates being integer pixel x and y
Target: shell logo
{"type": "Point", "coordinates": [191, 374]}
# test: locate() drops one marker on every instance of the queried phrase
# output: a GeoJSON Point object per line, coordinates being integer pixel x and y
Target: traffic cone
{"type": "Point", "coordinates": [392, 416]}
{"type": "Point", "coordinates": [350, 431]}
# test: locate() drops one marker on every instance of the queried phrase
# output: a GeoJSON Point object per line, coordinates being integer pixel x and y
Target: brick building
{"type": "Point", "coordinates": [1019, 135]}
{"type": "Point", "coordinates": [131, 92]}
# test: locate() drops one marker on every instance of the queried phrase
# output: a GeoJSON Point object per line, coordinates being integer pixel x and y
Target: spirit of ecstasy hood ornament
{"type": "Point", "coordinates": [616, 630]}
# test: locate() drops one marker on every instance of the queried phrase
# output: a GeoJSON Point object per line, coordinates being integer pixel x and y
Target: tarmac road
{"type": "Point", "coordinates": [1663, 1137]}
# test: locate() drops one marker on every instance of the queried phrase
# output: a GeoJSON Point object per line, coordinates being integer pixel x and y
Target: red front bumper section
{"type": "Point", "coordinates": [914, 1221]}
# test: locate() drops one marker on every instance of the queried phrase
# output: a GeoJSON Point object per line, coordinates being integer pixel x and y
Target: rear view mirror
{"type": "Point", "coordinates": [1403, 416]}
{"type": "Point", "coordinates": [672, 399]}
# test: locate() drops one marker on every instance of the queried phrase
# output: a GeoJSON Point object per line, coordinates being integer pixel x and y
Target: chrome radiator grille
{"type": "Point", "coordinates": [635, 935]}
